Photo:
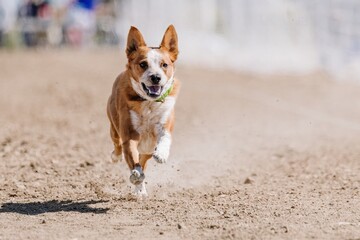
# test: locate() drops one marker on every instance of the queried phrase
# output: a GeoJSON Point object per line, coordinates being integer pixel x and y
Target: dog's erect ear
{"type": "Point", "coordinates": [170, 42]}
{"type": "Point", "coordinates": [134, 41]}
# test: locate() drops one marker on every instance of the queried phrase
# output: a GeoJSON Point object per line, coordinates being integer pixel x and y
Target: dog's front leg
{"type": "Point", "coordinates": [130, 148]}
{"type": "Point", "coordinates": [162, 149]}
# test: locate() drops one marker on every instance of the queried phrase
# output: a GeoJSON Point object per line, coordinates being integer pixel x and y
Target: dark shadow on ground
{"type": "Point", "coordinates": [35, 208]}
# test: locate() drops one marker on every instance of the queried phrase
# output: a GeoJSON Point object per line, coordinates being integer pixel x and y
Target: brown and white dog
{"type": "Point", "coordinates": [141, 105]}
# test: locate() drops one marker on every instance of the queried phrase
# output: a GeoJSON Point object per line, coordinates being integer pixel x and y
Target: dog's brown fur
{"type": "Point", "coordinates": [124, 98]}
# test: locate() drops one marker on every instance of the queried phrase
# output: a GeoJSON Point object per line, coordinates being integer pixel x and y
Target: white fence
{"type": "Point", "coordinates": [261, 36]}
{"type": "Point", "coordinates": [246, 35]}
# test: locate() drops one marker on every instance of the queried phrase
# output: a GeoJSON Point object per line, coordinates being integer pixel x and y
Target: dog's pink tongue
{"type": "Point", "coordinates": [154, 89]}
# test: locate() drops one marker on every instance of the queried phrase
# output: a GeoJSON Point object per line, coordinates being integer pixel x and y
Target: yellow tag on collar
{"type": "Point", "coordinates": [162, 98]}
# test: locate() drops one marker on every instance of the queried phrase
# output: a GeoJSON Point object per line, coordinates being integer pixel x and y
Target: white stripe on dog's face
{"type": "Point", "coordinates": [154, 59]}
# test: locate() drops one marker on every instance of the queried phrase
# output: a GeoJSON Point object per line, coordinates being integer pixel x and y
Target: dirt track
{"type": "Point", "coordinates": [254, 157]}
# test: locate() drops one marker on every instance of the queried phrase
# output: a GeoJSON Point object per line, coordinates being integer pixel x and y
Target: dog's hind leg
{"type": "Point", "coordinates": [116, 155]}
{"type": "Point", "coordinates": [143, 160]}
{"type": "Point", "coordinates": [131, 155]}
{"type": "Point", "coordinates": [140, 189]}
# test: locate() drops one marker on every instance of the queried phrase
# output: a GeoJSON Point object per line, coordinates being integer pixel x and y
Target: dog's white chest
{"type": "Point", "coordinates": [149, 122]}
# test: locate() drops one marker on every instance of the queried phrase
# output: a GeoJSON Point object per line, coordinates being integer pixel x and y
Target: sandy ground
{"type": "Point", "coordinates": [254, 157]}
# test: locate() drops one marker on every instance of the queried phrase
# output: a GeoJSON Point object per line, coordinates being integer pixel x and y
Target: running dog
{"type": "Point", "coordinates": [141, 105]}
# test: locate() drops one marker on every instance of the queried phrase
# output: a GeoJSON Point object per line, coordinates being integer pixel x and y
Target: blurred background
{"type": "Point", "coordinates": [297, 36]}
{"type": "Point", "coordinates": [266, 140]}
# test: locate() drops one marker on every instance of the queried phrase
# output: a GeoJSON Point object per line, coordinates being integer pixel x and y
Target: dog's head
{"type": "Point", "coordinates": [151, 69]}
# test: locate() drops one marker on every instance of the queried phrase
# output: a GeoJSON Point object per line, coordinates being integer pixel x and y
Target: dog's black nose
{"type": "Point", "coordinates": [155, 78]}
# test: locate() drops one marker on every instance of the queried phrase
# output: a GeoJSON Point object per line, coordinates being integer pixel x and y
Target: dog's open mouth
{"type": "Point", "coordinates": [152, 91]}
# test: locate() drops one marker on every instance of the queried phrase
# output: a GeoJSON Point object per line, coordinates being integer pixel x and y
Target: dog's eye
{"type": "Point", "coordinates": [164, 65]}
{"type": "Point", "coordinates": [143, 65]}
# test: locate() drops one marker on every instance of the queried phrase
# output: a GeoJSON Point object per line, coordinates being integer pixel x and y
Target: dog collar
{"type": "Point", "coordinates": [162, 98]}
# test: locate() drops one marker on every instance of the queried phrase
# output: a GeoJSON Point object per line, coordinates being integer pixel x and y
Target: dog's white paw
{"type": "Point", "coordinates": [140, 190]}
{"type": "Point", "coordinates": [137, 176]}
{"type": "Point", "coordinates": [162, 149]}
{"type": "Point", "coordinates": [116, 158]}
{"type": "Point", "coordinates": [161, 154]}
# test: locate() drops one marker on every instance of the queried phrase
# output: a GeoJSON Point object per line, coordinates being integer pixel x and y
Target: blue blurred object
{"type": "Point", "coordinates": [87, 4]}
